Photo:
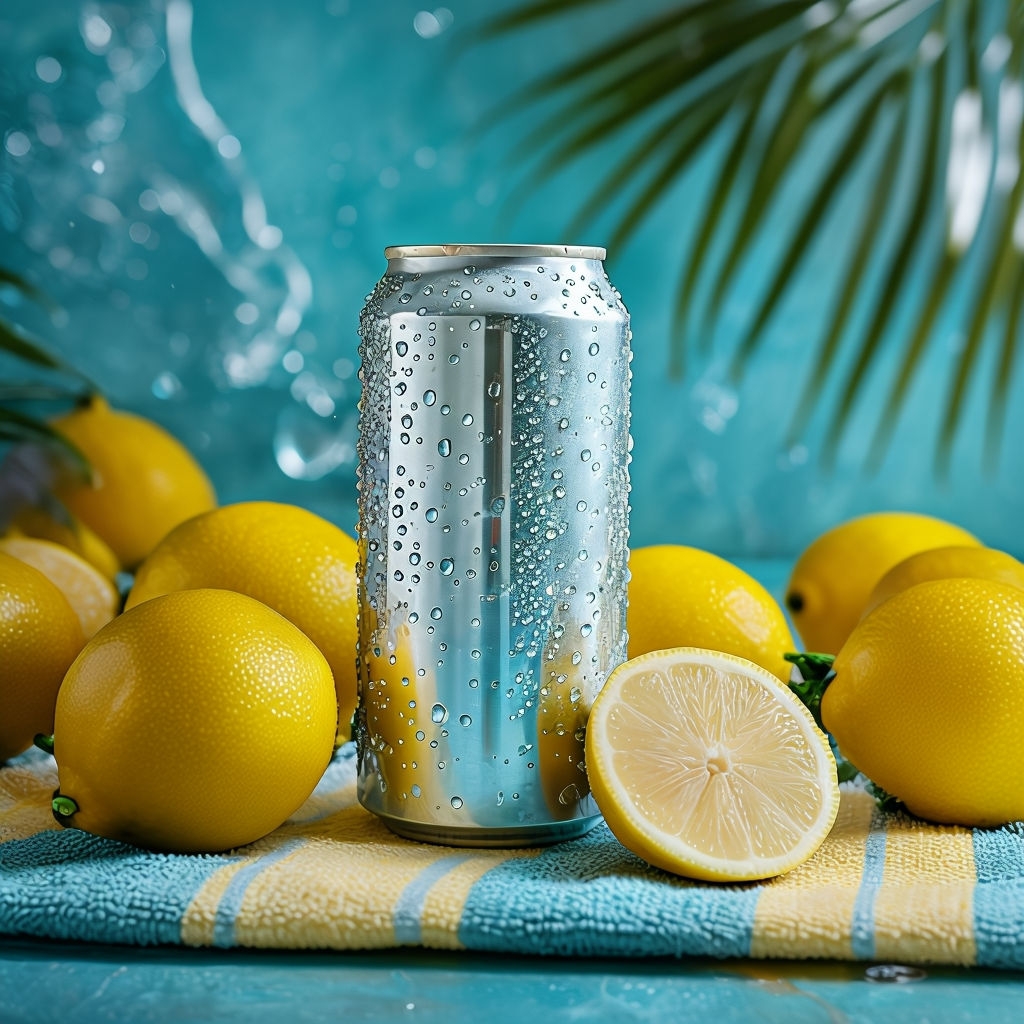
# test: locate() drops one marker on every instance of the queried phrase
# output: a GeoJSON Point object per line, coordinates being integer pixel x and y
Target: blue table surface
{"type": "Point", "coordinates": [43, 981]}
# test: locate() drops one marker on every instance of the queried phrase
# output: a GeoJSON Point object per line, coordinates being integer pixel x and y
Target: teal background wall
{"type": "Point", "coordinates": [207, 191]}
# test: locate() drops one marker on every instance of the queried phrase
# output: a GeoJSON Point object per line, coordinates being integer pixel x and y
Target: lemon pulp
{"type": "Point", "coordinates": [704, 765]}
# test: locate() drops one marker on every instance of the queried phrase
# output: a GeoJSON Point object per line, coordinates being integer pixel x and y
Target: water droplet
{"type": "Point", "coordinates": [397, 511]}
{"type": "Point", "coordinates": [586, 629]}
{"type": "Point", "coordinates": [401, 348]}
{"type": "Point", "coordinates": [581, 506]}
{"type": "Point", "coordinates": [431, 517]}
{"type": "Point", "coordinates": [407, 420]}
{"type": "Point", "coordinates": [525, 748]}
{"type": "Point", "coordinates": [501, 797]}
{"type": "Point", "coordinates": [436, 613]}
{"type": "Point", "coordinates": [414, 559]}
{"type": "Point", "coordinates": [445, 409]}
{"type": "Point", "coordinates": [576, 657]}
{"type": "Point", "coordinates": [474, 324]}
{"type": "Point", "coordinates": [444, 447]}
{"type": "Point", "coordinates": [420, 734]}
{"type": "Point", "coordinates": [429, 397]}
{"type": "Point", "coordinates": [494, 389]}
{"type": "Point", "coordinates": [594, 348]}
{"type": "Point", "coordinates": [465, 721]}
{"type": "Point", "coordinates": [456, 802]}
{"type": "Point", "coordinates": [447, 567]}
{"type": "Point", "coordinates": [453, 358]}
{"type": "Point", "coordinates": [464, 459]}
{"type": "Point", "coordinates": [497, 506]}
{"type": "Point", "coordinates": [559, 491]}
{"type": "Point", "coordinates": [564, 355]}
{"type": "Point", "coordinates": [415, 790]}
{"type": "Point", "coordinates": [569, 795]}
{"type": "Point", "coordinates": [575, 694]}
{"type": "Point", "coordinates": [585, 455]}
{"type": "Point", "coordinates": [439, 714]}
{"type": "Point", "coordinates": [467, 420]}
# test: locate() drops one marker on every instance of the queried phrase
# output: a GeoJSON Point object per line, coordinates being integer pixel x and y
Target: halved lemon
{"type": "Point", "coordinates": [705, 765]}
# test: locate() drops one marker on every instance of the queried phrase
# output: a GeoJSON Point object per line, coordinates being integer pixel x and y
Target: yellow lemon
{"type": "Point", "coordinates": [947, 563]}
{"type": "Point", "coordinates": [290, 559]}
{"type": "Point", "coordinates": [928, 700]}
{"type": "Point", "coordinates": [93, 597]}
{"type": "Point", "coordinates": [40, 636]}
{"type": "Point", "coordinates": [196, 722]}
{"type": "Point", "coordinates": [398, 698]}
{"type": "Point", "coordinates": [74, 534]}
{"type": "Point", "coordinates": [704, 765]}
{"type": "Point", "coordinates": [684, 597]}
{"type": "Point", "coordinates": [144, 481]}
{"type": "Point", "coordinates": [833, 578]}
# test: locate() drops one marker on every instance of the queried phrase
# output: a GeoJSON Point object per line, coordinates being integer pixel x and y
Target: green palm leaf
{"type": "Point", "coordinates": [17, 426]}
{"type": "Point", "coordinates": [873, 70]}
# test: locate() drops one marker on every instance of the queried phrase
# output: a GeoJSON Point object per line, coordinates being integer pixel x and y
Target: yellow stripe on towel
{"type": "Point", "coordinates": [342, 882]}
{"type": "Point", "coordinates": [813, 908]}
{"type": "Point", "coordinates": [929, 879]}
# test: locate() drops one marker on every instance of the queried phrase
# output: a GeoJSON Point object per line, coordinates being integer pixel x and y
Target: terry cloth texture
{"type": "Point", "coordinates": [882, 887]}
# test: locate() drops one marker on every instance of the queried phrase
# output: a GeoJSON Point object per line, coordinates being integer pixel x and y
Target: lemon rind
{"type": "Point", "coordinates": [670, 852]}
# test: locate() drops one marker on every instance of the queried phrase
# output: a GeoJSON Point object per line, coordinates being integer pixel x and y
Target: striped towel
{"type": "Point", "coordinates": [883, 887]}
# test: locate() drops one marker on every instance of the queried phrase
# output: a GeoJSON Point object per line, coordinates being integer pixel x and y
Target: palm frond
{"type": "Point", "coordinates": [18, 428]}
{"type": "Point", "coordinates": [869, 228]}
{"type": "Point", "coordinates": [815, 210]}
{"type": "Point", "coordinates": [1003, 374]}
{"type": "Point", "coordinates": [850, 62]}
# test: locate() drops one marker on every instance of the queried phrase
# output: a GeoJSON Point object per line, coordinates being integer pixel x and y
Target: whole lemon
{"type": "Point", "coordinates": [928, 700]}
{"type": "Point", "coordinates": [684, 597]}
{"type": "Point", "coordinates": [947, 563]}
{"type": "Point", "coordinates": [196, 722]}
{"type": "Point", "coordinates": [144, 481]}
{"type": "Point", "coordinates": [285, 556]}
{"type": "Point", "coordinates": [833, 578]}
{"type": "Point", "coordinates": [40, 636]}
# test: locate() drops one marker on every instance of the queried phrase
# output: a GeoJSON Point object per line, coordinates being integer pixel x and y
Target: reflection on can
{"type": "Point", "coordinates": [493, 527]}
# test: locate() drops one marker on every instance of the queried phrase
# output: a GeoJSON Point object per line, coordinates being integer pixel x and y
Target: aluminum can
{"type": "Point", "coordinates": [493, 528]}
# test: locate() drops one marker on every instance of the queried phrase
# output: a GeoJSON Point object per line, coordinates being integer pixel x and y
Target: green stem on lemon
{"type": "Point", "coordinates": [816, 673]}
{"type": "Point", "coordinates": [63, 807]}
{"type": "Point", "coordinates": [43, 742]}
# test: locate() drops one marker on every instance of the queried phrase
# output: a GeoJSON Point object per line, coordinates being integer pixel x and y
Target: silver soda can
{"type": "Point", "coordinates": [493, 528]}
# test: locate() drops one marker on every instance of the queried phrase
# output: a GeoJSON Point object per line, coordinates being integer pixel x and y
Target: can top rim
{"type": "Point", "coordinates": [583, 252]}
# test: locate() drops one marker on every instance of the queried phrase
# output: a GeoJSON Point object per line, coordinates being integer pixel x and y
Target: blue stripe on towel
{"type": "Point", "coordinates": [999, 896]}
{"type": "Point", "coordinates": [409, 908]}
{"type": "Point", "coordinates": [71, 885]}
{"type": "Point", "coordinates": [862, 928]}
{"type": "Point", "coordinates": [231, 901]}
{"type": "Point", "coordinates": [591, 896]}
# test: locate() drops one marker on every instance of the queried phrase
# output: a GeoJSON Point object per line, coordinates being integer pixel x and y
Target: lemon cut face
{"type": "Point", "coordinates": [704, 765]}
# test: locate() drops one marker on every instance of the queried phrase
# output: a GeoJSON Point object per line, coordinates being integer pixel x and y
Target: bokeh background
{"type": "Point", "coordinates": [206, 191]}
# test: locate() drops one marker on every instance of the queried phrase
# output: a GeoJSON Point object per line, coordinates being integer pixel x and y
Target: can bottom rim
{"type": "Point", "coordinates": [513, 836]}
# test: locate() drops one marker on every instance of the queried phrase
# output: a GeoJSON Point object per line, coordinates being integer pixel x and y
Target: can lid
{"type": "Point", "coordinates": [583, 252]}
